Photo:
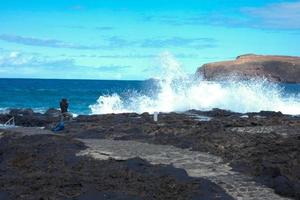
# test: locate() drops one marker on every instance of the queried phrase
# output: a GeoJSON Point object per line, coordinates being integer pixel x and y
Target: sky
{"type": "Point", "coordinates": [124, 39]}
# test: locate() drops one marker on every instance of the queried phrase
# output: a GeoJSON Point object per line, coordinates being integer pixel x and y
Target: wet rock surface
{"type": "Point", "coordinates": [46, 167]}
{"type": "Point", "coordinates": [264, 145]}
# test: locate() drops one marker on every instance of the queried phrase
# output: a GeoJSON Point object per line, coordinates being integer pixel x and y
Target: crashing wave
{"type": "Point", "coordinates": [177, 91]}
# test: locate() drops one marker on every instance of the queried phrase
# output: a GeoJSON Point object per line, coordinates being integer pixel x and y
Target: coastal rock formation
{"type": "Point", "coordinates": [285, 69]}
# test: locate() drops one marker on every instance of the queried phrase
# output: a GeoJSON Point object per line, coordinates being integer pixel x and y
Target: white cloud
{"type": "Point", "coordinates": [12, 59]}
{"type": "Point", "coordinates": [280, 15]}
{"type": "Point", "coordinates": [18, 59]}
{"type": "Point", "coordinates": [271, 16]}
{"type": "Point", "coordinates": [14, 54]}
{"type": "Point", "coordinates": [42, 42]}
{"type": "Point", "coordinates": [17, 64]}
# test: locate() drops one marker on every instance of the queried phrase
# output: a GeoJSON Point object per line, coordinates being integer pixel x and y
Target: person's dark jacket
{"type": "Point", "coordinates": [64, 106]}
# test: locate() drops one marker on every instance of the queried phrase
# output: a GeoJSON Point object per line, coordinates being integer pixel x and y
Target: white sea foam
{"type": "Point", "coordinates": [179, 92]}
{"type": "Point", "coordinates": [4, 110]}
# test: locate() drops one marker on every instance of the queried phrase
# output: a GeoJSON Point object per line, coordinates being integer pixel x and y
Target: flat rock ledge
{"type": "Point", "coordinates": [196, 164]}
{"type": "Point", "coordinates": [42, 166]}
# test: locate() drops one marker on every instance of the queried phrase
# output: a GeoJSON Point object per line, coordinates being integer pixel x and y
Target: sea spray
{"type": "Point", "coordinates": [176, 91]}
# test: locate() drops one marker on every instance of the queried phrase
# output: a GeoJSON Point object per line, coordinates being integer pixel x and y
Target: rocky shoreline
{"type": "Point", "coordinates": [264, 146]}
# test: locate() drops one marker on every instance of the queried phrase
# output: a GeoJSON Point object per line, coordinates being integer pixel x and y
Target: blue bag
{"type": "Point", "coordinates": [59, 127]}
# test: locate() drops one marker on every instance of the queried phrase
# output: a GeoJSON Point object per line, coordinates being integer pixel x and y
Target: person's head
{"type": "Point", "coordinates": [64, 100]}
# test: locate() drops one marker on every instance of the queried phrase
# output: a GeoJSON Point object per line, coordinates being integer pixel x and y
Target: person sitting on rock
{"type": "Point", "coordinates": [65, 115]}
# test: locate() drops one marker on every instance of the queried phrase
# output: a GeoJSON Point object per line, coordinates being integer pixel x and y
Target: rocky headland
{"type": "Point", "coordinates": [214, 154]}
{"type": "Point", "coordinates": [285, 69]}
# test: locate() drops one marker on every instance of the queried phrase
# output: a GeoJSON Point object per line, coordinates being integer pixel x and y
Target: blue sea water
{"type": "Point", "coordinates": [41, 94]}
{"type": "Point", "coordinates": [105, 96]}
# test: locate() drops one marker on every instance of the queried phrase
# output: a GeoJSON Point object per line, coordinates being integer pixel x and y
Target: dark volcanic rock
{"type": "Point", "coordinates": [46, 167]}
{"type": "Point", "coordinates": [276, 68]}
{"type": "Point", "coordinates": [283, 185]}
{"type": "Point", "coordinates": [265, 145]}
{"type": "Point", "coordinates": [21, 112]}
{"type": "Point", "coordinates": [52, 112]}
{"type": "Point", "coordinates": [267, 114]}
{"type": "Point", "coordinates": [27, 117]}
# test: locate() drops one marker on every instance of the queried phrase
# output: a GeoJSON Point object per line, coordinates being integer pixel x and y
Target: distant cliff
{"type": "Point", "coordinates": [284, 69]}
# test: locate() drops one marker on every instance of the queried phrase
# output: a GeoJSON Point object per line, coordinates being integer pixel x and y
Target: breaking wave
{"type": "Point", "coordinates": [177, 91]}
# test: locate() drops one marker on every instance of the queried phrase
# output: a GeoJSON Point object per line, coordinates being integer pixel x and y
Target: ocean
{"type": "Point", "coordinates": [113, 96]}
{"type": "Point", "coordinates": [41, 94]}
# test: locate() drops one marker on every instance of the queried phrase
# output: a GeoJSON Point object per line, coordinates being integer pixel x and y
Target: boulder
{"type": "Point", "coordinates": [52, 112]}
{"type": "Point", "coordinates": [21, 112]}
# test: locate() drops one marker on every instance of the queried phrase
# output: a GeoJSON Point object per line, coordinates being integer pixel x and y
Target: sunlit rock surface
{"type": "Point", "coordinates": [285, 69]}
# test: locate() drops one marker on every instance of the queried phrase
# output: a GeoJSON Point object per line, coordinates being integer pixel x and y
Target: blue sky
{"type": "Point", "coordinates": [122, 39]}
